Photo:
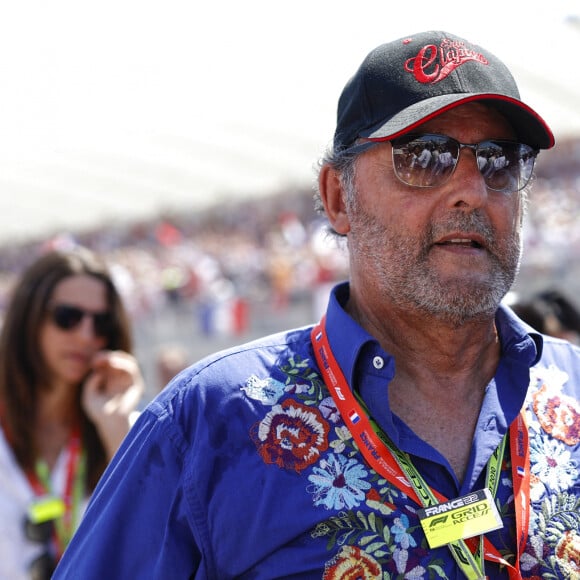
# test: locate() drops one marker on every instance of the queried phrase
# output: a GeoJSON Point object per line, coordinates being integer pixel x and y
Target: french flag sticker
{"type": "Point", "coordinates": [521, 471]}
{"type": "Point", "coordinates": [354, 417]}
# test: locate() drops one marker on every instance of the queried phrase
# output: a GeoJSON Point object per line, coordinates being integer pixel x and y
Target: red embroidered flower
{"type": "Point", "coordinates": [351, 563]}
{"type": "Point", "coordinates": [291, 435]}
{"type": "Point", "coordinates": [559, 415]}
{"type": "Point", "coordinates": [568, 553]}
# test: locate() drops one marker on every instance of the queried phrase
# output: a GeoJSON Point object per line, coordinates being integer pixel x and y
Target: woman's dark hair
{"type": "Point", "coordinates": [22, 366]}
{"type": "Point", "coordinates": [548, 312]}
{"type": "Point", "coordinates": [562, 308]}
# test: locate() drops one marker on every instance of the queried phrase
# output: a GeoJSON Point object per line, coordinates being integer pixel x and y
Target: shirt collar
{"type": "Point", "coordinates": [518, 339]}
{"type": "Point", "coordinates": [348, 339]}
{"type": "Point", "coordinates": [356, 352]}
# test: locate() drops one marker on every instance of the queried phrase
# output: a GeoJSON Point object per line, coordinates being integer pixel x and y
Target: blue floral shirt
{"type": "Point", "coordinates": [243, 468]}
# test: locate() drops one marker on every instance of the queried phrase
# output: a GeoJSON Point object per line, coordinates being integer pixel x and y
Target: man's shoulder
{"type": "Point", "coordinates": [225, 395]}
{"type": "Point", "coordinates": [224, 373]}
{"type": "Point", "coordinates": [559, 349]}
{"type": "Point", "coordinates": [263, 351]}
{"type": "Point", "coordinates": [560, 362]}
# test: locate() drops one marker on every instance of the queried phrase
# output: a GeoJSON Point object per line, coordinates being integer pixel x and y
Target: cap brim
{"type": "Point", "coordinates": [530, 128]}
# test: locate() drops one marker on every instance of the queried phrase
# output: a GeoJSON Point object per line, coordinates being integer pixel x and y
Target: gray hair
{"type": "Point", "coordinates": [345, 165]}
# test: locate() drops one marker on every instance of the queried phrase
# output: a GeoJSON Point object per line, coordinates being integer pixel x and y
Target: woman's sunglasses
{"type": "Point", "coordinates": [67, 317]}
{"type": "Point", "coordinates": [429, 160]}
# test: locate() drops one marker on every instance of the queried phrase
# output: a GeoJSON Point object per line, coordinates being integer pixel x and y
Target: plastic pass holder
{"type": "Point", "coordinates": [45, 508]}
{"type": "Point", "coordinates": [467, 516]}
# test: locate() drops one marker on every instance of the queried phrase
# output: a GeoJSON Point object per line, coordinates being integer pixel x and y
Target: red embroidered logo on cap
{"type": "Point", "coordinates": [433, 64]}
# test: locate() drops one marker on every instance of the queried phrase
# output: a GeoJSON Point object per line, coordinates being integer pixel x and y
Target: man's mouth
{"type": "Point", "coordinates": [460, 242]}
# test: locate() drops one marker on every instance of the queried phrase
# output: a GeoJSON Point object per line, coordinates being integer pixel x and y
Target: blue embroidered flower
{"type": "Point", "coordinates": [338, 482]}
{"type": "Point", "coordinates": [399, 530]}
{"type": "Point", "coordinates": [552, 464]}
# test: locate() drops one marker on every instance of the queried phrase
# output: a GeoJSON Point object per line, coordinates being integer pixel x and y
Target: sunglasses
{"type": "Point", "coordinates": [67, 317]}
{"type": "Point", "coordinates": [429, 160]}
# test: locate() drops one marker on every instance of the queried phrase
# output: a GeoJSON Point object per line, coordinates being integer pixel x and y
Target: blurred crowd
{"type": "Point", "coordinates": [224, 274]}
{"type": "Point", "coordinates": [229, 269]}
{"type": "Point", "coordinates": [552, 234]}
{"type": "Point", "coordinates": [258, 249]}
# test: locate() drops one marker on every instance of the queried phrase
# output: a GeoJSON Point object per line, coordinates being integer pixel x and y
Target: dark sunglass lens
{"type": "Point", "coordinates": [103, 324]}
{"type": "Point", "coordinates": [67, 317]}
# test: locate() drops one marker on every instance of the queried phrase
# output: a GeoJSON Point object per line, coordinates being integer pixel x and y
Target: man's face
{"type": "Point", "coordinates": [451, 251]}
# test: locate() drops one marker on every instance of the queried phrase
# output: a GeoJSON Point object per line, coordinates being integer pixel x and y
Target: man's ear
{"type": "Point", "coordinates": [332, 196]}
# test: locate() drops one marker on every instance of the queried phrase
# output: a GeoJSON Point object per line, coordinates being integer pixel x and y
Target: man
{"type": "Point", "coordinates": [386, 441]}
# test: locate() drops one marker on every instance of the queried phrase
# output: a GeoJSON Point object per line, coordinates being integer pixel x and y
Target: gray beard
{"type": "Point", "coordinates": [406, 278]}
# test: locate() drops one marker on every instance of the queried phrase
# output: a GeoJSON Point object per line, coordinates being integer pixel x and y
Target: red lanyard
{"type": "Point", "coordinates": [73, 493]}
{"type": "Point", "coordinates": [382, 461]}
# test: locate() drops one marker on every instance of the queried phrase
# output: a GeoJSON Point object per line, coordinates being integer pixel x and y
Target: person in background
{"type": "Point", "coordinates": [551, 312]}
{"type": "Point", "coordinates": [170, 360]}
{"type": "Point", "coordinates": [68, 385]}
{"type": "Point", "coordinates": [419, 430]}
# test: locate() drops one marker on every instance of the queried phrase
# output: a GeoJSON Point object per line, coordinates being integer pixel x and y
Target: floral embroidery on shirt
{"type": "Point", "coordinates": [552, 464]}
{"type": "Point", "coordinates": [306, 383]}
{"type": "Point", "coordinates": [372, 530]}
{"type": "Point", "coordinates": [267, 391]}
{"type": "Point", "coordinates": [329, 411]}
{"type": "Point", "coordinates": [555, 540]}
{"type": "Point", "coordinates": [558, 414]}
{"type": "Point", "coordinates": [339, 445]}
{"type": "Point", "coordinates": [388, 546]}
{"type": "Point", "coordinates": [553, 549]}
{"type": "Point", "coordinates": [352, 562]}
{"type": "Point", "coordinates": [399, 530]}
{"type": "Point", "coordinates": [291, 435]}
{"type": "Point", "coordinates": [338, 483]}
{"type": "Point", "coordinates": [567, 554]}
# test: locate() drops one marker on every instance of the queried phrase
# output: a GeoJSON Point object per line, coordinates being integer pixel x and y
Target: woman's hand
{"type": "Point", "coordinates": [111, 394]}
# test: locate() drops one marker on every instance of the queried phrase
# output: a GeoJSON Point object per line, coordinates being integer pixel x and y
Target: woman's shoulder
{"type": "Point", "coordinates": [14, 486]}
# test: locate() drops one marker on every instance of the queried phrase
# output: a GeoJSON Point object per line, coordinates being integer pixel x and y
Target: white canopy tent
{"type": "Point", "coordinates": [117, 110]}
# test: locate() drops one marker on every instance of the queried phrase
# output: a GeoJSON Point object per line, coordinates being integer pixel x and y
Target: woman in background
{"type": "Point", "coordinates": [551, 312]}
{"type": "Point", "coordinates": [68, 386]}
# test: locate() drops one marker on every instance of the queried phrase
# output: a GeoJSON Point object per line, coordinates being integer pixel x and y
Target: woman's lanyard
{"type": "Point", "coordinates": [49, 506]}
{"type": "Point", "coordinates": [396, 466]}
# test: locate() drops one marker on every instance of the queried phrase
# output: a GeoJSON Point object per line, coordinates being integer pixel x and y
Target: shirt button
{"type": "Point", "coordinates": [378, 362]}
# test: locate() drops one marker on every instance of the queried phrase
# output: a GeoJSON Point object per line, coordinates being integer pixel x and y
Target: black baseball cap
{"type": "Point", "coordinates": [404, 83]}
